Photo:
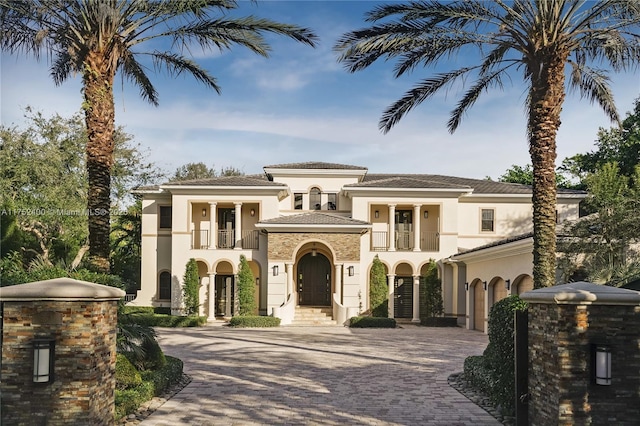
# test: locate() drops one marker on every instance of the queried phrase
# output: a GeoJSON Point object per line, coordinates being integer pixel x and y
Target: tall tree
{"type": "Point", "coordinates": [98, 38]}
{"type": "Point", "coordinates": [542, 40]}
{"type": "Point", "coordinates": [524, 176]}
{"type": "Point", "coordinates": [200, 170]}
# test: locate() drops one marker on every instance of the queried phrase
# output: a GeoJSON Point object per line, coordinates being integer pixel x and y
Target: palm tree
{"type": "Point", "coordinates": [539, 39]}
{"type": "Point", "coordinates": [98, 38]}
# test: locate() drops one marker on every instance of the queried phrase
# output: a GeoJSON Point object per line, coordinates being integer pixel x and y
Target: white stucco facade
{"type": "Point", "coordinates": [311, 231]}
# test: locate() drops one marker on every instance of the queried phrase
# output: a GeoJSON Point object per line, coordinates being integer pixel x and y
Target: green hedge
{"type": "Point", "coordinates": [160, 320]}
{"type": "Point", "coordinates": [154, 382]}
{"type": "Point", "coordinates": [127, 375]}
{"type": "Point", "coordinates": [254, 321]}
{"type": "Point", "coordinates": [372, 322]}
{"type": "Point", "coordinates": [477, 374]}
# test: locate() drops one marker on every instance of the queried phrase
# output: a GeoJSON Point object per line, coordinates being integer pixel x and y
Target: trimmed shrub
{"type": "Point", "coordinates": [165, 376]}
{"type": "Point", "coordinates": [154, 358]}
{"type": "Point", "coordinates": [254, 321]}
{"type": "Point", "coordinates": [372, 322]}
{"type": "Point", "coordinates": [431, 304]}
{"type": "Point", "coordinates": [378, 289]}
{"type": "Point", "coordinates": [191, 290]}
{"type": "Point", "coordinates": [246, 289]}
{"type": "Point", "coordinates": [162, 310]}
{"type": "Point", "coordinates": [477, 374]}
{"type": "Point", "coordinates": [126, 374]}
{"type": "Point", "coordinates": [160, 320]}
{"type": "Point", "coordinates": [439, 322]}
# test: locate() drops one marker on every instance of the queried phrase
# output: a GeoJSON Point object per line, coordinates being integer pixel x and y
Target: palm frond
{"type": "Point", "coordinates": [176, 65]}
{"type": "Point", "coordinates": [593, 84]}
{"type": "Point", "coordinates": [134, 72]}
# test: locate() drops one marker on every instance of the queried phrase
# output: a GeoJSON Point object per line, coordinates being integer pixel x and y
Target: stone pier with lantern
{"type": "Point", "coordinates": [58, 353]}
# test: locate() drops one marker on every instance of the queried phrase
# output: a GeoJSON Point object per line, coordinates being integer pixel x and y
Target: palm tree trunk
{"type": "Point", "coordinates": [546, 97]}
{"type": "Point", "coordinates": [99, 117]}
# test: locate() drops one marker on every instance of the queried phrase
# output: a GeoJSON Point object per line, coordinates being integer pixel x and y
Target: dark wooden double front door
{"type": "Point", "coordinates": [314, 280]}
{"type": "Point", "coordinates": [403, 297]}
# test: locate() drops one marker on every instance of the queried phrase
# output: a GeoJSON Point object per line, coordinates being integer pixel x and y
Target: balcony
{"type": "Point", "coordinates": [226, 239]}
{"type": "Point", "coordinates": [404, 241]}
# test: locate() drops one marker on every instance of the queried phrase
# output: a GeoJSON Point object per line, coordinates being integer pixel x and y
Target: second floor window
{"type": "Point", "coordinates": [314, 199]}
{"type": "Point", "coordinates": [488, 220]}
{"type": "Point", "coordinates": [331, 201]}
{"type": "Point", "coordinates": [165, 217]}
{"type": "Point", "coordinates": [297, 201]}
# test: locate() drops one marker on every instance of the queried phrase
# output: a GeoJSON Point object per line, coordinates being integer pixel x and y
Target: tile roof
{"type": "Point", "coordinates": [313, 165]}
{"type": "Point", "coordinates": [247, 180]}
{"type": "Point", "coordinates": [497, 243]}
{"type": "Point", "coordinates": [314, 218]}
{"type": "Point", "coordinates": [406, 182]}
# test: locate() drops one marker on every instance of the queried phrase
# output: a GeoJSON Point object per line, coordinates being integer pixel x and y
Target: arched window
{"type": "Point", "coordinates": [164, 286]}
{"type": "Point", "coordinates": [314, 199]}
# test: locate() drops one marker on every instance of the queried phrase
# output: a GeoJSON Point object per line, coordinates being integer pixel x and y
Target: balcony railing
{"type": "Point", "coordinates": [250, 240]}
{"type": "Point", "coordinates": [199, 239]}
{"type": "Point", "coordinates": [429, 241]}
{"type": "Point", "coordinates": [226, 239]}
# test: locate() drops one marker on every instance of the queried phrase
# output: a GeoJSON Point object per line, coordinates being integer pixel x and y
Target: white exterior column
{"type": "Point", "coordinates": [416, 227]}
{"type": "Point", "coordinates": [212, 297]}
{"type": "Point", "coordinates": [213, 232]}
{"type": "Point", "coordinates": [290, 283]}
{"type": "Point", "coordinates": [229, 301]}
{"type": "Point", "coordinates": [338, 289]}
{"type": "Point", "coordinates": [416, 299]}
{"type": "Point", "coordinates": [392, 227]}
{"type": "Point", "coordinates": [238, 225]}
{"type": "Point", "coordinates": [390, 280]}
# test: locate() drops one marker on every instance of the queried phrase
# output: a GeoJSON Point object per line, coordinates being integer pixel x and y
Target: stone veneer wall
{"type": "Point", "coordinates": [346, 246]}
{"type": "Point", "coordinates": [561, 388]}
{"type": "Point", "coordinates": [84, 383]}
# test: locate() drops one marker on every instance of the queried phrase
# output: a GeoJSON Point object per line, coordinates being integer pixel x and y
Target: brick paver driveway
{"type": "Point", "coordinates": [320, 376]}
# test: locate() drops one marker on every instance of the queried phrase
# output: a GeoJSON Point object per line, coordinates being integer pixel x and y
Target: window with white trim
{"type": "Point", "coordinates": [488, 220]}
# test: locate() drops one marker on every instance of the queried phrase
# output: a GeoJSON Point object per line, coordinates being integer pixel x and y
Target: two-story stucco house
{"type": "Point", "coordinates": [310, 232]}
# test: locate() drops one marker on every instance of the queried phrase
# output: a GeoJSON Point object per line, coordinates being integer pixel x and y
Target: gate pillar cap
{"type": "Point", "coordinates": [582, 293]}
{"type": "Point", "coordinates": [63, 289]}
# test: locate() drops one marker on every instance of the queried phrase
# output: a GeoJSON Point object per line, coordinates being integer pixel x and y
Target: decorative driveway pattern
{"type": "Point", "coordinates": [320, 376]}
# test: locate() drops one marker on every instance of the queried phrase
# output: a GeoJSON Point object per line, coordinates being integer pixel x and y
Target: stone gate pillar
{"type": "Point", "coordinates": [566, 325]}
{"type": "Point", "coordinates": [80, 319]}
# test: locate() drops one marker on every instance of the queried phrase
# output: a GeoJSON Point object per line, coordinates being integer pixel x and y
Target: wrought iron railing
{"type": "Point", "coordinates": [226, 239]}
{"type": "Point", "coordinates": [200, 239]}
{"type": "Point", "coordinates": [250, 240]}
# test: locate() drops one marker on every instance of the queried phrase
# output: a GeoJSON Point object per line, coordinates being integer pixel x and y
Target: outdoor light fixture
{"type": "Point", "coordinates": [258, 281]}
{"type": "Point", "coordinates": [314, 252]}
{"type": "Point", "coordinates": [204, 212]}
{"type": "Point", "coordinates": [507, 284]}
{"type": "Point", "coordinates": [275, 270]}
{"type": "Point", "coordinates": [466, 286]}
{"type": "Point", "coordinates": [484, 285]}
{"type": "Point", "coordinates": [426, 214]}
{"type": "Point", "coordinates": [43, 357]}
{"type": "Point", "coordinates": [252, 212]}
{"type": "Point", "coordinates": [602, 361]}
{"type": "Point", "coordinates": [376, 214]}
{"type": "Point", "coordinates": [351, 271]}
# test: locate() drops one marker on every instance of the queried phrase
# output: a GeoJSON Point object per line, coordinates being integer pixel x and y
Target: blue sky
{"type": "Point", "coordinates": [300, 105]}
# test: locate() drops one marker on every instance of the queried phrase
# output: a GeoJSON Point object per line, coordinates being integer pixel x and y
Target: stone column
{"type": "Point", "coordinates": [390, 281]}
{"type": "Point", "coordinates": [80, 318]}
{"type": "Point", "coordinates": [212, 297]}
{"type": "Point", "coordinates": [565, 325]}
{"type": "Point", "coordinates": [213, 231]}
{"type": "Point", "coordinates": [416, 299]}
{"type": "Point", "coordinates": [392, 227]}
{"type": "Point", "coordinates": [416, 227]}
{"type": "Point", "coordinates": [238, 225]}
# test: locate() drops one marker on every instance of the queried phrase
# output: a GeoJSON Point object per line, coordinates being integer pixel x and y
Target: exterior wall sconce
{"type": "Point", "coordinates": [602, 367]}
{"type": "Point", "coordinates": [376, 214]}
{"type": "Point", "coordinates": [275, 270]}
{"type": "Point", "coordinates": [258, 281]}
{"type": "Point", "coordinates": [351, 271]}
{"type": "Point", "coordinates": [43, 357]}
{"type": "Point", "coordinates": [484, 285]}
{"type": "Point", "coordinates": [466, 286]}
{"type": "Point", "coordinates": [314, 252]}
{"type": "Point", "coordinates": [507, 284]}
{"type": "Point", "coordinates": [252, 212]}
{"type": "Point", "coordinates": [426, 214]}
{"type": "Point", "coordinates": [204, 212]}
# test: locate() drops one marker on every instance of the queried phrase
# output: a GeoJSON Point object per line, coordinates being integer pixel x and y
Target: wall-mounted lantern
{"type": "Point", "coordinates": [43, 358]}
{"type": "Point", "coordinates": [602, 367]}
{"type": "Point", "coordinates": [275, 270]}
{"type": "Point", "coordinates": [258, 281]}
{"type": "Point", "coordinates": [376, 214]}
{"type": "Point", "coordinates": [351, 271]}
{"type": "Point", "coordinates": [314, 252]}
{"type": "Point", "coordinates": [484, 285]}
{"type": "Point", "coordinates": [466, 286]}
{"type": "Point", "coordinates": [426, 214]}
{"type": "Point", "coordinates": [507, 284]}
{"type": "Point", "coordinates": [252, 212]}
{"type": "Point", "coordinates": [204, 212]}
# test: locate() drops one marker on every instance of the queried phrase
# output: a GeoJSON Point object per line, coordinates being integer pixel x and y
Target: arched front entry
{"type": "Point", "coordinates": [314, 280]}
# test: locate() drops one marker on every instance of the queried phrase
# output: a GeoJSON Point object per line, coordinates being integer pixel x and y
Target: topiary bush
{"type": "Point", "coordinates": [477, 374]}
{"type": "Point", "coordinates": [431, 304]}
{"type": "Point", "coordinates": [378, 289]}
{"type": "Point", "coordinates": [191, 288]}
{"type": "Point", "coordinates": [372, 322]}
{"type": "Point", "coordinates": [246, 288]}
{"type": "Point", "coordinates": [254, 321]}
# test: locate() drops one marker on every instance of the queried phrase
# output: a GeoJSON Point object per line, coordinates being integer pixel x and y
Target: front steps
{"type": "Point", "coordinates": [310, 316]}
